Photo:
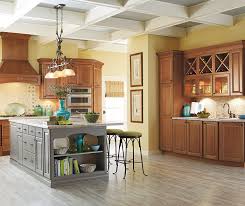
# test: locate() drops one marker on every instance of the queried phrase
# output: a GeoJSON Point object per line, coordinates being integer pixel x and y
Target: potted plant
{"type": "Point", "coordinates": [61, 93]}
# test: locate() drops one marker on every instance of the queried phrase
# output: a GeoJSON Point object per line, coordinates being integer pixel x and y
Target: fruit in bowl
{"type": "Point", "coordinates": [92, 117]}
{"type": "Point", "coordinates": [203, 114]}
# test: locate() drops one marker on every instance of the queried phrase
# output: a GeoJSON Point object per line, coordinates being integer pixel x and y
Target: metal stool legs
{"type": "Point", "coordinates": [124, 161]}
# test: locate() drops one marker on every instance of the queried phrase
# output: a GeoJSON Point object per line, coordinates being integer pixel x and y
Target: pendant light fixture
{"type": "Point", "coordinates": [60, 65]}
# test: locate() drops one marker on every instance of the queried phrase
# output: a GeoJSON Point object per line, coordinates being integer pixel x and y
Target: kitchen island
{"type": "Point", "coordinates": [32, 149]}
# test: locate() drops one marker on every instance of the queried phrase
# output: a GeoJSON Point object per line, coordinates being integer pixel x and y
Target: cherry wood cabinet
{"type": "Point", "coordinates": [179, 136]}
{"type": "Point", "coordinates": [210, 140]}
{"type": "Point", "coordinates": [97, 77]}
{"type": "Point", "coordinates": [4, 137]}
{"type": "Point", "coordinates": [84, 75]}
{"type": "Point", "coordinates": [97, 99]}
{"type": "Point", "coordinates": [171, 98]}
{"type": "Point", "coordinates": [166, 140]}
{"type": "Point", "coordinates": [222, 63]}
{"type": "Point", "coordinates": [231, 142]}
{"type": "Point", "coordinates": [194, 138]}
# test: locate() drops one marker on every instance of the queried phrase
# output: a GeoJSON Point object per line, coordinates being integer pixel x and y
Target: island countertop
{"type": "Point", "coordinates": [217, 119]}
{"type": "Point", "coordinates": [42, 123]}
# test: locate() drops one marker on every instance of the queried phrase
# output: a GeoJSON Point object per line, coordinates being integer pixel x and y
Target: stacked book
{"type": "Point", "coordinates": [66, 166]}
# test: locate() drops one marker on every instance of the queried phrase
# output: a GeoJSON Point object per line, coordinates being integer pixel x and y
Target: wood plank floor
{"type": "Point", "coordinates": [172, 181]}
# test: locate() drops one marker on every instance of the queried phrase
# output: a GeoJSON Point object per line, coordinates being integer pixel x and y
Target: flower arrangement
{"type": "Point", "coordinates": [61, 92]}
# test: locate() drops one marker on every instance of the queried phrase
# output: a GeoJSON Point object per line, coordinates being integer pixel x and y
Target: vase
{"type": "Point", "coordinates": [79, 143]}
{"type": "Point", "coordinates": [62, 112]}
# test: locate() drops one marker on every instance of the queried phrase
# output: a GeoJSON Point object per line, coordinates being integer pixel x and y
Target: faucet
{"type": "Point", "coordinates": [231, 115]}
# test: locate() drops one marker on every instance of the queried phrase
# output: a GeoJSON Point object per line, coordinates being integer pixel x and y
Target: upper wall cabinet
{"type": "Point", "coordinates": [85, 70]}
{"type": "Point", "coordinates": [215, 71]}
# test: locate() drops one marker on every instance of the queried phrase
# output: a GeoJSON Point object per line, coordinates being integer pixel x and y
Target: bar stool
{"type": "Point", "coordinates": [127, 137]}
{"type": "Point", "coordinates": [112, 134]}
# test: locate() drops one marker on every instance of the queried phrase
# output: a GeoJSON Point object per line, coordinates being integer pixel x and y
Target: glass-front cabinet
{"type": "Point", "coordinates": [205, 85]}
{"type": "Point", "coordinates": [221, 85]}
{"type": "Point", "coordinates": [190, 87]}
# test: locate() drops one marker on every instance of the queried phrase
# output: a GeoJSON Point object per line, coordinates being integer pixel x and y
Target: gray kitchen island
{"type": "Point", "coordinates": [32, 149]}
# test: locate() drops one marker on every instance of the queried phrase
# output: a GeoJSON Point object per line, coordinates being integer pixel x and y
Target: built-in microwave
{"type": "Point", "coordinates": [77, 112]}
{"type": "Point", "coordinates": [80, 97]}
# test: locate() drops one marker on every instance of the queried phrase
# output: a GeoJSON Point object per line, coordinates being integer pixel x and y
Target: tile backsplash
{"type": "Point", "coordinates": [26, 94]}
{"type": "Point", "coordinates": [214, 105]}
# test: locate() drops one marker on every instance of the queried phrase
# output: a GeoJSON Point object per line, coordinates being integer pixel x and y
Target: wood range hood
{"type": "Point", "coordinates": [15, 66]}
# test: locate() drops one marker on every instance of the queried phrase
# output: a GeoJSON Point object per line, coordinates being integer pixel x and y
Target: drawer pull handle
{"type": "Point", "coordinates": [31, 131]}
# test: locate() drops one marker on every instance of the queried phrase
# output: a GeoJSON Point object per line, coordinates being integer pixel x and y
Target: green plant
{"type": "Point", "coordinates": [60, 92]}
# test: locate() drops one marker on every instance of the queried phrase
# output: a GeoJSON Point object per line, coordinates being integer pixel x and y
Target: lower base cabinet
{"type": "Point", "coordinates": [194, 138]}
{"type": "Point", "coordinates": [231, 142]}
{"type": "Point", "coordinates": [179, 136]}
{"type": "Point", "coordinates": [166, 140]}
{"type": "Point", "coordinates": [211, 140]}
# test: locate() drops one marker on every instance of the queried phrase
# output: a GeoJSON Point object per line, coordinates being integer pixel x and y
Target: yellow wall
{"type": "Point", "coordinates": [115, 63]}
{"type": "Point", "coordinates": [149, 45]}
{"type": "Point", "coordinates": [211, 35]}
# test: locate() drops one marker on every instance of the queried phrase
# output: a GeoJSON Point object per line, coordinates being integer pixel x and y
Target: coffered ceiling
{"type": "Point", "coordinates": [95, 23]}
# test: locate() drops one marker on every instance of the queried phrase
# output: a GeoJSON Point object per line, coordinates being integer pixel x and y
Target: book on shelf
{"type": "Point", "coordinates": [66, 166]}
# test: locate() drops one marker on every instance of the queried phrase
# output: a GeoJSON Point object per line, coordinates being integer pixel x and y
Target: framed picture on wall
{"type": "Point", "coordinates": [136, 69]}
{"type": "Point", "coordinates": [136, 105]}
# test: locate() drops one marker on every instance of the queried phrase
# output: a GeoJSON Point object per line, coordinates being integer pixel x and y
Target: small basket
{"type": "Point", "coordinates": [87, 168]}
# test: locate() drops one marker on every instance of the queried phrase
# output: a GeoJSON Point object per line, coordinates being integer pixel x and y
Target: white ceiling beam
{"type": "Point", "coordinates": [121, 34]}
{"type": "Point", "coordinates": [49, 14]}
{"type": "Point", "coordinates": [216, 19]}
{"type": "Point", "coordinates": [122, 24]}
{"type": "Point", "coordinates": [162, 22]}
{"type": "Point", "coordinates": [214, 7]}
{"type": "Point", "coordinates": [132, 3]}
{"type": "Point", "coordinates": [159, 8]}
{"type": "Point", "coordinates": [107, 3]}
{"type": "Point", "coordinates": [171, 32]}
{"type": "Point", "coordinates": [90, 35]}
{"type": "Point", "coordinates": [21, 7]}
{"type": "Point", "coordinates": [6, 8]}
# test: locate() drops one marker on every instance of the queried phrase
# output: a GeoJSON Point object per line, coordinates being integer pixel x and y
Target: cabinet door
{"type": "Point", "coordinates": [166, 138]}
{"type": "Point", "coordinates": [13, 142]}
{"type": "Point", "coordinates": [72, 80]}
{"type": "Point", "coordinates": [194, 138]}
{"type": "Point", "coordinates": [20, 148]}
{"type": "Point", "coordinates": [5, 136]}
{"type": "Point", "coordinates": [210, 140]}
{"type": "Point", "coordinates": [97, 77]}
{"type": "Point", "coordinates": [166, 99]}
{"type": "Point", "coordinates": [84, 75]}
{"type": "Point", "coordinates": [166, 69]}
{"type": "Point", "coordinates": [179, 136]}
{"type": "Point", "coordinates": [237, 73]}
{"type": "Point", "coordinates": [231, 142]}
{"type": "Point", "coordinates": [39, 155]}
{"type": "Point", "coordinates": [46, 154]}
{"type": "Point", "coordinates": [46, 92]}
{"type": "Point", "coordinates": [221, 85]}
{"type": "Point", "coordinates": [97, 99]}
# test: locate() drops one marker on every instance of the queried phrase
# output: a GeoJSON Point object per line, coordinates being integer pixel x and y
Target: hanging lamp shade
{"type": "Point", "coordinates": [58, 74]}
{"type": "Point", "coordinates": [68, 72]}
{"type": "Point", "coordinates": [50, 75]}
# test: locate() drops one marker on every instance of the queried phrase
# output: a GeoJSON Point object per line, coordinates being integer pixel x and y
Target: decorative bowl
{"type": "Point", "coordinates": [203, 115]}
{"type": "Point", "coordinates": [61, 151]}
{"type": "Point", "coordinates": [92, 117]}
{"type": "Point", "coordinates": [88, 168]}
{"type": "Point", "coordinates": [95, 147]}
{"type": "Point", "coordinates": [242, 116]}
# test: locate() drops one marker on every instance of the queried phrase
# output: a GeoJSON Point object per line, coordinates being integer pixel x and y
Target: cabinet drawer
{"type": "Point", "coordinates": [19, 127]}
{"type": "Point", "coordinates": [31, 130]}
{"type": "Point", "coordinates": [39, 132]}
{"type": "Point", "coordinates": [25, 129]}
{"type": "Point", "coordinates": [29, 159]}
{"type": "Point", "coordinates": [29, 143]}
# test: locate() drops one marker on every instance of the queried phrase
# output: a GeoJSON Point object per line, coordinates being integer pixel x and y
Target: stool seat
{"type": "Point", "coordinates": [114, 131]}
{"type": "Point", "coordinates": [130, 134]}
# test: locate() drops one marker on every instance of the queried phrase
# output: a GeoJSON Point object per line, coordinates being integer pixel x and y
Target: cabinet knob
{"type": "Point", "coordinates": [25, 142]}
{"type": "Point", "coordinates": [25, 158]}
